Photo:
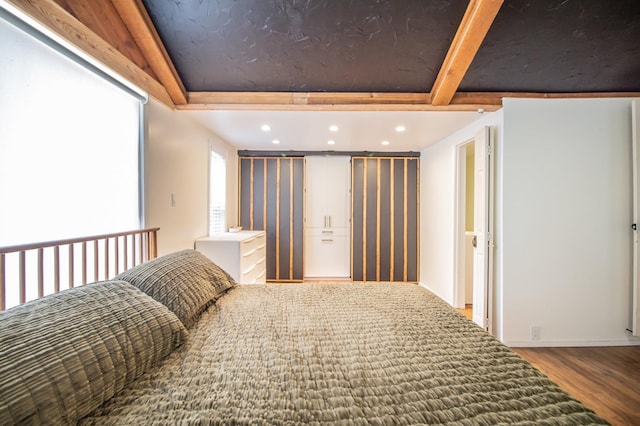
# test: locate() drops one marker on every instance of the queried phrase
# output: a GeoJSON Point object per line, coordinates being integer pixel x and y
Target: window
{"type": "Point", "coordinates": [69, 155]}
{"type": "Point", "coordinates": [217, 193]}
{"type": "Point", "coordinates": [69, 143]}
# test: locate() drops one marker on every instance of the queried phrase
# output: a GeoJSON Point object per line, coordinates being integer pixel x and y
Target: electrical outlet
{"type": "Point", "coordinates": [535, 332]}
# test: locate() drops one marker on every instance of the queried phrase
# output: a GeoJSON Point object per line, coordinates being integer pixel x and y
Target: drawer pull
{"type": "Point", "coordinates": [327, 240]}
{"type": "Point", "coordinates": [327, 232]}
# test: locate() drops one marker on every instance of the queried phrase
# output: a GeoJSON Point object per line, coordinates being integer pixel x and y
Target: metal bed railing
{"type": "Point", "coordinates": [67, 263]}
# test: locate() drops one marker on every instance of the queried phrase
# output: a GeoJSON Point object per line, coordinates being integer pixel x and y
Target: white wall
{"type": "Point", "coordinates": [567, 239]}
{"type": "Point", "coordinates": [563, 216]}
{"type": "Point", "coordinates": [177, 161]}
{"type": "Point", "coordinates": [437, 204]}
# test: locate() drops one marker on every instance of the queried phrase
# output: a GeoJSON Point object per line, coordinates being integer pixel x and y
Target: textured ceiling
{"type": "Point", "coordinates": [398, 45]}
{"type": "Point", "coordinates": [560, 46]}
{"type": "Point", "coordinates": [310, 45]}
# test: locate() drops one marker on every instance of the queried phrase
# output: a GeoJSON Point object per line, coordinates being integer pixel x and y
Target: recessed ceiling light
{"type": "Point", "coordinates": [265, 127]}
{"type": "Point", "coordinates": [385, 142]}
{"type": "Point", "coordinates": [333, 128]}
{"type": "Point", "coordinates": [275, 141]}
{"type": "Point", "coordinates": [400, 129]}
{"type": "Point", "coordinates": [331, 142]}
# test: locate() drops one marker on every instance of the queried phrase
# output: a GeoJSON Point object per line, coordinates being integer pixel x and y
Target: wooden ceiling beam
{"type": "Point", "coordinates": [138, 22]}
{"type": "Point", "coordinates": [341, 101]}
{"type": "Point", "coordinates": [61, 22]}
{"type": "Point", "coordinates": [472, 30]}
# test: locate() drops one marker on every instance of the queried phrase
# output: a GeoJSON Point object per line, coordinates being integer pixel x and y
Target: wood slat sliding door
{"type": "Point", "coordinates": [272, 199]}
{"type": "Point", "coordinates": [385, 219]}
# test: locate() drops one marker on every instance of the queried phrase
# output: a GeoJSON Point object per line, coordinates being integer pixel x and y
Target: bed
{"type": "Point", "coordinates": [305, 353]}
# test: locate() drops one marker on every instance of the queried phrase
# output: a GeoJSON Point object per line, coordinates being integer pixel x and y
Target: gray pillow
{"type": "Point", "coordinates": [64, 355]}
{"type": "Point", "coordinates": [186, 282]}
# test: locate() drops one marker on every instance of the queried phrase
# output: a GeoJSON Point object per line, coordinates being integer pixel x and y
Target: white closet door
{"type": "Point", "coordinates": [328, 180]}
{"type": "Point", "coordinates": [328, 211]}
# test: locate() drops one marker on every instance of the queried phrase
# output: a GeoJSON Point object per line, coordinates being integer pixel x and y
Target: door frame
{"type": "Point", "coordinates": [635, 285]}
{"type": "Point", "coordinates": [459, 224]}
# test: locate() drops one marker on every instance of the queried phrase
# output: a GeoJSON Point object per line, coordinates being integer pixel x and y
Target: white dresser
{"type": "Point", "coordinates": [241, 254]}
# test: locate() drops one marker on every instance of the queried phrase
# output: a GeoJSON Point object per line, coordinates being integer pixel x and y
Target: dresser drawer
{"type": "Point", "coordinates": [241, 254]}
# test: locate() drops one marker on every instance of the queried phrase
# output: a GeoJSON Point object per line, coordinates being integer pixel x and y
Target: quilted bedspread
{"type": "Point", "coordinates": [346, 354]}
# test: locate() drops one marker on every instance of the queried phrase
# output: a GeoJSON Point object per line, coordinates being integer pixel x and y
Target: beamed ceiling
{"type": "Point", "coordinates": [357, 54]}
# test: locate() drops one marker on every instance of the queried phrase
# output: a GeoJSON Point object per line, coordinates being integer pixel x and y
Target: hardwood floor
{"type": "Point", "coordinates": [467, 311]}
{"type": "Point", "coordinates": [606, 379]}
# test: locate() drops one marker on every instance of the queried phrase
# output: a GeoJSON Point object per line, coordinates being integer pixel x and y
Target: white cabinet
{"type": "Point", "coordinates": [328, 211]}
{"type": "Point", "coordinates": [241, 254]}
{"type": "Point", "coordinates": [328, 180]}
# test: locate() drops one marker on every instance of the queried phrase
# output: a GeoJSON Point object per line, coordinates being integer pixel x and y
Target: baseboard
{"type": "Point", "coordinates": [631, 341]}
{"type": "Point", "coordinates": [423, 285]}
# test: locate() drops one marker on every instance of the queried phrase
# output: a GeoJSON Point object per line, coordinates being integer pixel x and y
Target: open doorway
{"type": "Point", "coordinates": [474, 227]}
{"type": "Point", "coordinates": [465, 190]}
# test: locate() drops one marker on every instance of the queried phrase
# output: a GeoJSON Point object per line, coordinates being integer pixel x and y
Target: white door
{"type": "Point", "coordinates": [635, 140]}
{"type": "Point", "coordinates": [328, 180]}
{"type": "Point", "coordinates": [483, 227]}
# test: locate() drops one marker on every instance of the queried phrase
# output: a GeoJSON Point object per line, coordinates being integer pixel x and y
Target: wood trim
{"type": "Point", "coordinates": [56, 269]}
{"type": "Point", "coordinates": [277, 219]}
{"type": "Point", "coordinates": [96, 263]}
{"type": "Point", "coordinates": [71, 266]}
{"type": "Point", "coordinates": [247, 153]}
{"type": "Point", "coordinates": [330, 101]}
{"type": "Point", "coordinates": [137, 20]}
{"type": "Point", "coordinates": [33, 246]}
{"type": "Point", "coordinates": [583, 95]}
{"type": "Point", "coordinates": [22, 278]}
{"type": "Point", "coordinates": [378, 221]}
{"type": "Point", "coordinates": [472, 30]}
{"type": "Point", "coordinates": [40, 273]}
{"type": "Point", "coordinates": [406, 217]}
{"type": "Point", "coordinates": [251, 195]}
{"type": "Point", "coordinates": [116, 250]}
{"type": "Point", "coordinates": [291, 218]}
{"type": "Point", "coordinates": [84, 262]}
{"type": "Point", "coordinates": [264, 195]}
{"type": "Point", "coordinates": [392, 219]}
{"type": "Point", "coordinates": [61, 22]}
{"type": "Point", "coordinates": [352, 248]}
{"type": "Point", "coordinates": [106, 256]}
{"type": "Point", "coordinates": [126, 252]}
{"type": "Point", "coordinates": [364, 220]}
{"type": "Point", "coordinates": [336, 101]}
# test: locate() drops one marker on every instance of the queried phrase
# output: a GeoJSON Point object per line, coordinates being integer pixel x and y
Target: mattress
{"type": "Point", "coordinates": [340, 354]}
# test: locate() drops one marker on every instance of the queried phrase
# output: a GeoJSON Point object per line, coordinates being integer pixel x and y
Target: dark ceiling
{"type": "Point", "coordinates": [398, 45]}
